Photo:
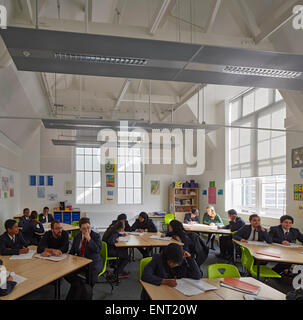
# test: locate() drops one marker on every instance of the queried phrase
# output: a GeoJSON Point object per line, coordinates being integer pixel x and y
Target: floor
{"type": "Point", "coordinates": [122, 291]}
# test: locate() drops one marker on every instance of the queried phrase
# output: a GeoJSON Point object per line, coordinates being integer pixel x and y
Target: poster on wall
{"type": "Point", "coordinates": [11, 192]}
{"type": "Point", "coordinates": [109, 166]}
{"type": "Point", "coordinates": [41, 180]}
{"type": "Point", "coordinates": [299, 210]}
{"type": "Point", "coordinates": [155, 187]}
{"type": "Point", "coordinates": [298, 192]}
{"type": "Point", "coordinates": [32, 181]}
{"type": "Point", "coordinates": [11, 179]}
{"type": "Point", "coordinates": [68, 188]}
{"type": "Point", "coordinates": [50, 180]}
{"type": "Point", "coordinates": [5, 184]}
{"type": "Point", "coordinates": [40, 192]}
{"type": "Point", "coordinates": [109, 197]}
{"type": "Point", "coordinates": [297, 157]}
{"type": "Point", "coordinates": [5, 195]}
{"type": "Point", "coordinates": [212, 195]}
{"type": "Point", "coordinates": [52, 197]}
{"type": "Point", "coordinates": [110, 180]}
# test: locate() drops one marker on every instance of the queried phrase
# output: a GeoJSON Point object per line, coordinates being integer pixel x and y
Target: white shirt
{"type": "Point", "coordinates": [12, 237]}
{"type": "Point", "coordinates": [251, 236]}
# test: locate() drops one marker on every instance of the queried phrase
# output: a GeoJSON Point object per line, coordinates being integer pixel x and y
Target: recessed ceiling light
{"type": "Point", "coordinates": [275, 73]}
{"type": "Point", "coordinates": [26, 53]}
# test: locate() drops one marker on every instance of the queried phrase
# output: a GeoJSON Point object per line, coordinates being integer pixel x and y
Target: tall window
{"type": "Point", "coordinates": [129, 176]}
{"type": "Point", "coordinates": [88, 176]}
{"type": "Point", "coordinates": [257, 158]}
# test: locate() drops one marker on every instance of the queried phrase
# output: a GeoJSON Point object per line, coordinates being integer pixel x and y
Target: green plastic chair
{"type": "Point", "coordinates": [167, 219]}
{"type": "Point", "coordinates": [247, 261]}
{"type": "Point", "coordinates": [105, 259]}
{"type": "Point", "coordinates": [143, 263]}
{"type": "Point", "coordinates": [74, 232]}
{"type": "Point", "coordinates": [213, 271]}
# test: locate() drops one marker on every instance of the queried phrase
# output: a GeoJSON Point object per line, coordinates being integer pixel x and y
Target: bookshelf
{"type": "Point", "coordinates": [183, 200]}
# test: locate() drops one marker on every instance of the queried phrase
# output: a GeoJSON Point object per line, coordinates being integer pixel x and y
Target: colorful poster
{"type": "Point", "coordinates": [50, 180]}
{"type": "Point", "coordinates": [11, 192]}
{"type": "Point", "coordinates": [5, 195]}
{"type": "Point", "coordinates": [109, 197]}
{"type": "Point", "coordinates": [40, 192]}
{"type": "Point", "coordinates": [109, 166]}
{"type": "Point", "coordinates": [68, 188]}
{"type": "Point", "coordinates": [298, 192]}
{"type": "Point", "coordinates": [212, 195]}
{"type": "Point", "coordinates": [110, 180]}
{"type": "Point", "coordinates": [5, 184]}
{"type": "Point", "coordinates": [41, 180]}
{"type": "Point", "coordinates": [155, 187]}
{"type": "Point", "coordinates": [297, 157]}
{"type": "Point", "coordinates": [32, 180]}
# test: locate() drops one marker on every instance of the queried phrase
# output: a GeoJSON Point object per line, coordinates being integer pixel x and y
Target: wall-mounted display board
{"type": "Point", "coordinates": [297, 157]}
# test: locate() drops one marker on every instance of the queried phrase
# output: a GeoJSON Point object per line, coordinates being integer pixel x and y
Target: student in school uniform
{"type": "Point", "coordinates": [226, 243]}
{"type": "Point", "coordinates": [87, 244]}
{"type": "Point", "coordinates": [177, 232]}
{"type": "Point", "coordinates": [45, 217]}
{"type": "Point", "coordinates": [192, 217]}
{"type": "Point", "coordinates": [144, 224]}
{"type": "Point", "coordinates": [7, 287]}
{"type": "Point", "coordinates": [122, 217]}
{"type": "Point", "coordinates": [12, 241]}
{"type": "Point", "coordinates": [111, 236]}
{"type": "Point", "coordinates": [33, 230]}
{"type": "Point", "coordinates": [54, 242]}
{"type": "Point", "coordinates": [285, 234]}
{"type": "Point", "coordinates": [173, 263]}
{"type": "Point", "coordinates": [25, 218]}
{"type": "Point", "coordinates": [212, 218]}
{"type": "Point", "coordinates": [253, 231]}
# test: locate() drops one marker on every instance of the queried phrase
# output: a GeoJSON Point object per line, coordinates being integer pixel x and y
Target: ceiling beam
{"type": "Point", "coordinates": [119, 10]}
{"type": "Point", "coordinates": [277, 20]}
{"type": "Point", "coordinates": [213, 15]}
{"type": "Point", "coordinates": [159, 16]}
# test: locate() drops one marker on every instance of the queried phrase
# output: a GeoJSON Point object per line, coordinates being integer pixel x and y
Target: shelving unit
{"type": "Point", "coordinates": [67, 216]}
{"type": "Point", "coordinates": [183, 200]}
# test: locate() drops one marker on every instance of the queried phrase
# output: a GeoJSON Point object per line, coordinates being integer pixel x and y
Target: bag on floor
{"type": "Point", "coordinates": [80, 291]}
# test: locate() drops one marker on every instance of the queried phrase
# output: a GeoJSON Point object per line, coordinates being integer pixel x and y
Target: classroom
{"type": "Point", "coordinates": [151, 150]}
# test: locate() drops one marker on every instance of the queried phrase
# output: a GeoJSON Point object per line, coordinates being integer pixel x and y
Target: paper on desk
{"type": "Point", "coordinates": [258, 243]}
{"type": "Point", "coordinates": [191, 287]}
{"type": "Point", "coordinates": [160, 238]}
{"type": "Point", "coordinates": [292, 245]}
{"type": "Point", "coordinates": [17, 278]}
{"type": "Point", "coordinates": [136, 233]}
{"type": "Point", "coordinates": [123, 239]}
{"type": "Point", "coordinates": [23, 256]}
{"type": "Point", "coordinates": [253, 297]}
{"type": "Point", "coordinates": [52, 258]}
{"type": "Point", "coordinates": [214, 227]}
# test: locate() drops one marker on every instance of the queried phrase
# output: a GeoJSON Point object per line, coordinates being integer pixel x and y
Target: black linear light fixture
{"type": "Point", "coordinates": [50, 51]}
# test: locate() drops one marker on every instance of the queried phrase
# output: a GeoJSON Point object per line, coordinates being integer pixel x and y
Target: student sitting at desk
{"type": "Point", "coordinates": [87, 244]}
{"type": "Point", "coordinates": [144, 224]}
{"type": "Point", "coordinates": [12, 241]}
{"type": "Point", "coordinates": [226, 243]}
{"type": "Point", "coordinates": [177, 232]}
{"type": "Point", "coordinates": [173, 263]}
{"type": "Point", "coordinates": [45, 217]}
{"type": "Point", "coordinates": [285, 234]}
{"type": "Point", "coordinates": [8, 286]}
{"type": "Point", "coordinates": [122, 217]}
{"type": "Point", "coordinates": [54, 242]}
{"type": "Point", "coordinates": [211, 218]}
{"type": "Point", "coordinates": [192, 217]}
{"type": "Point", "coordinates": [33, 230]}
{"type": "Point", "coordinates": [253, 231]}
{"type": "Point", "coordinates": [25, 218]}
{"type": "Point", "coordinates": [111, 236]}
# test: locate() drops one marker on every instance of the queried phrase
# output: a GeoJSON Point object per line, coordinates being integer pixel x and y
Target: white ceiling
{"type": "Point", "coordinates": [227, 22]}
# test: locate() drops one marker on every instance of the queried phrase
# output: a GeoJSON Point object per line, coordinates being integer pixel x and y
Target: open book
{"type": "Point", "coordinates": [258, 243]}
{"type": "Point", "coordinates": [160, 238]}
{"type": "Point", "coordinates": [191, 287]}
{"type": "Point", "coordinates": [123, 239]}
{"type": "Point", "coordinates": [239, 285]}
{"type": "Point", "coordinates": [52, 258]}
{"type": "Point", "coordinates": [23, 256]}
{"type": "Point", "coordinates": [17, 278]}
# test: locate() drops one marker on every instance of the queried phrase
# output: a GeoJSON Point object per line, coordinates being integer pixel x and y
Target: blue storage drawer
{"type": "Point", "coordinates": [75, 216]}
{"type": "Point", "coordinates": [58, 216]}
{"type": "Point", "coordinates": [67, 217]}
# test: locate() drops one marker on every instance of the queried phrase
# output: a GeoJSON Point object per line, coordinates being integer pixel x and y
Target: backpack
{"type": "Point", "coordinates": [80, 291]}
{"type": "Point", "coordinates": [201, 250]}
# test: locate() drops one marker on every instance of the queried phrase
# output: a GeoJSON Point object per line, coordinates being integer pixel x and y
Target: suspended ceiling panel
{"type": "Point", "coordinates": [42, 51]}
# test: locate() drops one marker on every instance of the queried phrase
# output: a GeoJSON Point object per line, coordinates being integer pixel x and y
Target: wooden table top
{"type": "Point", "coordinates": [39, 272]}
{"type": "Point", "coordinates": [291, 255]}
{"type": "Point", "coordinates": [164, 292]}
{"type": "Point", "coordinates": [145, 241]}
{"type": "Point", "coordinates": [204, 228]}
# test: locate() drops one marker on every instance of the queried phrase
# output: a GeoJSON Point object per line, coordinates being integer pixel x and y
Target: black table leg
{"type": "Point", "coordinates": [258, 269]}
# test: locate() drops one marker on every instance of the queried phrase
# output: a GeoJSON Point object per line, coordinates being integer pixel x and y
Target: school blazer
{"type": "Point", "coordinates": [42, 219]}
{"type": "Point", "coordinates": [235, 225]}
{"type": "Point", "coordinates": [188, 218]}
{"type": "Point", "coordinates": [23, 220]}
{"type": "Point", "coordinates": [245, 231]}
{"type": "Point", "coordinates": [126, 226]}
{"type": "Point", "coordinates": [92, 250]}
{"type": "Point", "coordinates": [29, 231]}
{"type": "Point", "coordinates": [156, 270]}
{"type": "Point", "coordinates": [9, 247]}
{"type": "Point", "coordinates": [147, 224]}
{"type": "Point", "coordinates": [277, 234]}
